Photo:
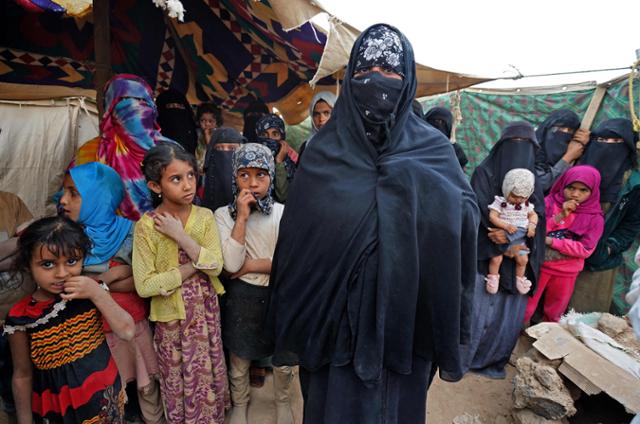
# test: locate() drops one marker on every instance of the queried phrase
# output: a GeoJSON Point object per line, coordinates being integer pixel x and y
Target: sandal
{"type": "Point", "coordinates": [523, 285]}
{"type": "Point", "coordinates": [492, 283]}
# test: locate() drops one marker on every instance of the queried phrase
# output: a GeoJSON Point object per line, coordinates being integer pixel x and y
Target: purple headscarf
{"type": "Point", "coordinates": [589, 220]}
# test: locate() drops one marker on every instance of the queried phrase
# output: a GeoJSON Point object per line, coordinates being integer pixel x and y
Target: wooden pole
{"type": "Point", "coordinates": [102, 49]}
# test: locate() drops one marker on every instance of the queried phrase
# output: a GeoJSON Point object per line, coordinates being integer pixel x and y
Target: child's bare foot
{"type": "Point", "coordinates": [523, 285]}
{"type": "Point", "coordinates": [493, 282]}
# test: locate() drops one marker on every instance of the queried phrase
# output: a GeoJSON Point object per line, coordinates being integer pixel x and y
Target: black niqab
{"type": "Point", "coordinates": [175, 118]}
{"type": "Point", "coordinates": [611, 159]}
{"type": "Point", "coordinates": [441, 119]}
{"type": "Point", "coordinates": [369, 268]}
{"type": "Point", "coordinates": [218, 169]}
{"type": "Point", "coordinates": [508, 154]}
{"type": "Point", "coordinates": [256, 109]}
{"type": "Point", "coordinates": [553, 144]}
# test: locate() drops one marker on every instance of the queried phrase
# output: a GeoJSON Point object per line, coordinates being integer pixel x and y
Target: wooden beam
{"type": "Point", "coordinates": [102, 48]}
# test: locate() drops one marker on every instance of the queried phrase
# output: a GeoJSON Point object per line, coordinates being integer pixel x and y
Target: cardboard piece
{"type": "Point", "coordinates": [585, 368]}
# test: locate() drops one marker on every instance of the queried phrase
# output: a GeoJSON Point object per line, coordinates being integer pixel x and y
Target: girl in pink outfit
{"type": "Point", "coordinates": [574, 225]}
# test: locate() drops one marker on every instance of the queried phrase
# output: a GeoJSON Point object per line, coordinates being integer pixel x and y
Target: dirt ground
{"type": "Point", "coordinates": [474, 395]}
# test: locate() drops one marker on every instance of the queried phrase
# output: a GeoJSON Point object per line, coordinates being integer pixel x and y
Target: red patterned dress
{"type": "Point", "coordinates": [75, 379]}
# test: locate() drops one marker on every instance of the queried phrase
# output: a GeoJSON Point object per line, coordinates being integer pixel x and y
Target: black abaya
{"type": "Point", "coordinates": [376, 256]}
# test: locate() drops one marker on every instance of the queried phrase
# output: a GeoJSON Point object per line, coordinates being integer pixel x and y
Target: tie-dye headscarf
{"type": "Point", "coordinates": [127, 130]}
{"type": "Point", "coordinates": [253, 155]}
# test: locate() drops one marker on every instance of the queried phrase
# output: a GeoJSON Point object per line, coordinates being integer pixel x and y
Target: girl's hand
{"type": "Point", "coordinates": [282, 154]}
{"type": "Point", "coordinates": [207, 134]}
{"type": "Point", "coordinates": [568, 207]}
{"type": "Point", "coordinates": [531, 231]}
{"type": "Point", "coordinates": [511, 229]}
{"type": "Point", "coordinates": [81, 287]}
{"type": "Point", "coordinates": [581, 136]}
{"type": "Point", "coordinates": [244, 203]}
{"type": "Point", "coordinates": [168, 225]}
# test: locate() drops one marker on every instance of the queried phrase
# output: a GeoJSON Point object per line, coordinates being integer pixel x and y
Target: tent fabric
{"type": "Point", "coordinates": [224, 51]}
{"type": "Point", "coordinates": [480, 116]}
{"type": "Point", "coordinates": [75, 8]}
{"type": "Point", "coordinates": [37, 142]}
{"type": "Point", "coordinates": [338, 47]}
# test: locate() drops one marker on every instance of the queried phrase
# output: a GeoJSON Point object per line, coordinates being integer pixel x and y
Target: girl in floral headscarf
{"type": "Point", "coordinates": [249, 229]}
{"type": "Point", "coordinates": [271, 133]}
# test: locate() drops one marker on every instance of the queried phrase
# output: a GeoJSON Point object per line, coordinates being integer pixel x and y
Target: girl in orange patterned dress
{"type": "Point", "coordinates": [63, 369]}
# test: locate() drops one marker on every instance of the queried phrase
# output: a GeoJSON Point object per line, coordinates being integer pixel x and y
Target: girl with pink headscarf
{"type": "Point", "coordinates": [574, 225]}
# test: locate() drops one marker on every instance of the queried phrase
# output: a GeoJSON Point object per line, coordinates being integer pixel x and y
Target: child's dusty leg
{"type": "Point", "coordinates": [239, 387]}
{"type": "Point", "coordinates": [151, 403]}
{"type": "Point", "coordinates": [282, 378]}
{"type": "Point", "coordinates": [522, 284]}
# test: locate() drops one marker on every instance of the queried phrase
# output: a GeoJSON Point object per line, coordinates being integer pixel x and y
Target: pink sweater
{"type": "Point", "coordinates": [574, 249]}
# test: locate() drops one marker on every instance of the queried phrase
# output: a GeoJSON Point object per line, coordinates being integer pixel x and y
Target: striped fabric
{"type": "Point", "coordinates": [75, 379]}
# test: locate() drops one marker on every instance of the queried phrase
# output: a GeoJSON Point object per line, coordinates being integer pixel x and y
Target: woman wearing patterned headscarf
{"type": "Point", "coordinates": [128, 129]}
{"type": "Point", "coordinates": [360, 297]}
{"type": "Point", "coordinates": [248, 231]}
{"type": "Point", "coordinates": [272, 134]}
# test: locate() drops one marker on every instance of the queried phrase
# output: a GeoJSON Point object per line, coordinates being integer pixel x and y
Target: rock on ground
{"type": "Point", "coordinates": [540, 388]}
{"type": "Point", "coordinates": [468, 419]}
{"type": "Point", "coordinates": [526, 416]}
{"type": "Point", "coordinates": [619, 330]}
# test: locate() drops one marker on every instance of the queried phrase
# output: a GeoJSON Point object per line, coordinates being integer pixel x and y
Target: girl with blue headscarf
{"type": "Point", "coordinates": [91, 196]}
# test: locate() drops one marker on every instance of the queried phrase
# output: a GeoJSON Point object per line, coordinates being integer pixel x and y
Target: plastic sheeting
{"type": "Point", "coordinates": [37, 141]}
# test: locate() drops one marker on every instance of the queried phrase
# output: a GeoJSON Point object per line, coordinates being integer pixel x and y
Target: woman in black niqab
{"type": "Point", "coordinates": [218, 167]}
{"type": "Point", "coordinates": [553, 145]}
{"type": "Point", "coordinates": [361, 292]}
{"type": "Point", "coordinates": [175, 118]}
{"type": "Point", "coordinates": [611, 159]}
{"type": "Point", "coordinates": [498, 318]}
{"type": "Point", "coordinates": [256, 110]}
{"type": "Point", "coordinates": [442, 119]}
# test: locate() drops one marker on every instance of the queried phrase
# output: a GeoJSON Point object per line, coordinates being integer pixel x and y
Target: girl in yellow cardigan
{"type": "Point", "coordinates": [176, 262]}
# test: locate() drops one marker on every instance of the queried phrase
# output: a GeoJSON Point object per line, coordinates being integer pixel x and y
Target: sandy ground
{"type": "Point", "coordinates": [474, 395]}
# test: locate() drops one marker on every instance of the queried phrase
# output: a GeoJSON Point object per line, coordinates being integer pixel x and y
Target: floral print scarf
{"type": "Point", "coordinates": [253, 155]}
